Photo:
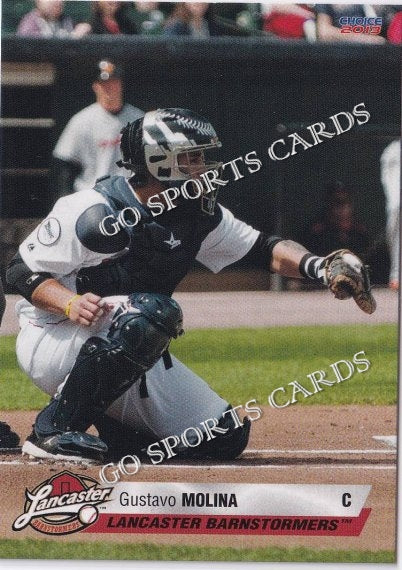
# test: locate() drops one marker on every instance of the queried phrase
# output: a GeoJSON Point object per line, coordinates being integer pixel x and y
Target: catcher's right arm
{"type": "Point", "coordinates": [347, 276]}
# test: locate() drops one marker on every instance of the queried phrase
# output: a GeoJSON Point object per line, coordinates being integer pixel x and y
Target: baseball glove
{"type": "Point", "coordinates": [347, 277]}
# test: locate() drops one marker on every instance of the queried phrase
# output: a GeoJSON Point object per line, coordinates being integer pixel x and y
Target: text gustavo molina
{"type": "Point", "coordinates": [187, 500]}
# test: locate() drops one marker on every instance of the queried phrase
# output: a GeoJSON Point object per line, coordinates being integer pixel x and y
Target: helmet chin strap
{"type": "Point", "coordinates": [139, 175]}
{"type": "Point", "coordinates": [122, 164]}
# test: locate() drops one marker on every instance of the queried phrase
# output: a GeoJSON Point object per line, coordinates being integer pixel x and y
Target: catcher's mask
{"type": "Point", "coordinates": [171, 145]}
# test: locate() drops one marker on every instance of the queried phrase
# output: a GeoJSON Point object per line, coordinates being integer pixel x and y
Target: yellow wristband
{"type": "Point", "coordinates": [68, 306]}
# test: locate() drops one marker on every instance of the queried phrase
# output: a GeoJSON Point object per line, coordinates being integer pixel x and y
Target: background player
{"type": "Point", "coordinates": [88, 148]}
{"type": "Point", "coordinates": [391, 180]}
{"type": "Point", "coordinates": [109, 354]}
{"type": "Point", "coordinates": [8, 438]}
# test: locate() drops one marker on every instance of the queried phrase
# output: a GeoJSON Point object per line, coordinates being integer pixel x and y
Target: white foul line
{"type": "Point", "coordinates": [236, 466]}
{"type": "Point", "coordinates": [227, 466]}
{"type": "Point", "coordinates": [390, 440]}
{"type": "Point", "coordinates": [317, 451]}
{"type": "Point", "coordinates": [387, 439]}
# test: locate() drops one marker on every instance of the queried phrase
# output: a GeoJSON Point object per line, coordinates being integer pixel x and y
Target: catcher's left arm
{"type": "Point", "coordinates": [342, 271]}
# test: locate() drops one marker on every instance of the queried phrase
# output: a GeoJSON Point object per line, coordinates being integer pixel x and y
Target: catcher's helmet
{"type": "Point", "coordinates": [169, 144]}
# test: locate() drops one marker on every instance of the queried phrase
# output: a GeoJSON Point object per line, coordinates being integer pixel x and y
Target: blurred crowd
{"type": "Point", "coordinates": [337, 225]}
{"type": "Point", "coordinates": [364, 23]}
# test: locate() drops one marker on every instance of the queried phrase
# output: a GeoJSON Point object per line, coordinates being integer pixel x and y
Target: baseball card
{"type": "Point", "coordinates": [199, 293]}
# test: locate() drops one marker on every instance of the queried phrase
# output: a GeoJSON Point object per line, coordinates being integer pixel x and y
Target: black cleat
{"type": "Point", "coordinates": [8, 438]}
{"type": "Point", "coordinates": [68, 446]}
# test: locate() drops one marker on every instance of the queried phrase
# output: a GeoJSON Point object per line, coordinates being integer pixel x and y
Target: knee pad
{"type": "Point", "coordinates": [161, 310]}
{"type": "Point", "coordinates": [106, 368]}
{"type": "Point", "coordinates": [144, 326]}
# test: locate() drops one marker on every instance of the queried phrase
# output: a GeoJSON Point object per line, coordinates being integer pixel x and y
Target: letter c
{"type": "Point", "coordinates": [272, 401]}
{"type": "Point", "coordinates": [272, 154]}
{"type": "Point", "coordinates": [346, 502]}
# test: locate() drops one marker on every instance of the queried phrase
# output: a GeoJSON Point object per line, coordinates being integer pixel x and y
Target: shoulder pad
{"type": "Point", "coordinates": [90, 235]}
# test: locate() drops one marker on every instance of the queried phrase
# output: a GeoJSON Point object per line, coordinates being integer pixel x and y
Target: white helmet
{"type": "Point", "coordinates": [170, 145]}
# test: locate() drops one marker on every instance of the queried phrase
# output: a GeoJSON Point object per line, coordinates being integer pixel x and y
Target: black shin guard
{"type": "Point", "coordinates": [101, 374]}
{"type": "Point", "coordinates": [106, 368]}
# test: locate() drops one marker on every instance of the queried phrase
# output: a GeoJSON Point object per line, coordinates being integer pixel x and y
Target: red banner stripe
{"type": "Point", "coordinates": [229, 524]}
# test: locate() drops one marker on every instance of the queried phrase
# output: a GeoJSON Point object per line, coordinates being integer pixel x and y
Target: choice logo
{"type": "Point", "coordinates": [360, 25]}
{"type": "Point", "coordinates": [63, 504]}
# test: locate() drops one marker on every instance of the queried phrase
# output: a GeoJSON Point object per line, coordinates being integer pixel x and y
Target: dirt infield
{"type": "Point", "coordinates": [314, 444]}
{"type": "Point", "coordinates": [299, 444]}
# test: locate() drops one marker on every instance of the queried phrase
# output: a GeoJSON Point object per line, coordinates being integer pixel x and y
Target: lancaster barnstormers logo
{"type": "Point", "coordinates": [63, 504]}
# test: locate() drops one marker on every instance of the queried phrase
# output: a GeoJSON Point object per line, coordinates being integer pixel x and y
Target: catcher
{"type": "Point", "coordinates": [98, 315]}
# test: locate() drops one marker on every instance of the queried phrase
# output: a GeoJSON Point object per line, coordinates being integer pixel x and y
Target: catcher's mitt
{"type": "Point", "coordinates": [347, 277]}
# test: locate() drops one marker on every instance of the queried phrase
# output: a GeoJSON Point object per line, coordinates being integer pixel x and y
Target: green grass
{"type": "Point", "coordinates": [241, 364]}
{"type": "Point", "coordinates": [49, 549]}
{"type": "Point", "coordinates": [249, 363]}
{"type": "Point", "coordinates": [17, 392]}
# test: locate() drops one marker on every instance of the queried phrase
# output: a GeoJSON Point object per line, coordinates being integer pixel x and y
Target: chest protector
{"type": "Point", "coordinates": [162, 249]}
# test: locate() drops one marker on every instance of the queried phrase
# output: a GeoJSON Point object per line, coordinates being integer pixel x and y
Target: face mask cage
{"type": "Point", "coordinates": [172, 166]}
{"type": "Point", "coordinates": [192, 163]}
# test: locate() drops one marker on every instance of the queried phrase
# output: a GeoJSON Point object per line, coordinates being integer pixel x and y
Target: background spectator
{"type": "Point", "coordinates": [394, 31]}
{"type": "Point", "coordinates": [147, 17]}
{"type": "Point", "coordinates": [391, 179]}
{"type": "Point", "coordinates": [198, 19]}
{"type": "Point", "coordinates": [88, 148]}
{"type": "Point", "coordinates": [391, 24]}
{"type": "Point", "coordinates": [337, 227]}
{"type": "Point", "coordinates": [47, 20]}
{"type": "Point", "coordinates": [288, 20]}
{"type": "Point", "coordinates": [249, 17]}
{"type": "Point", "coordinates": [111, 18]}
{"type": "Point", "coordinates": [328, 25]}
